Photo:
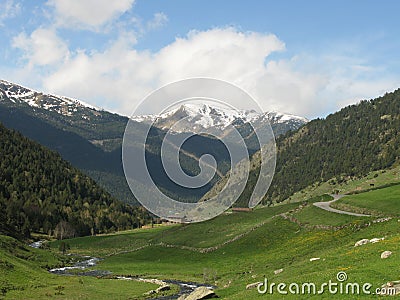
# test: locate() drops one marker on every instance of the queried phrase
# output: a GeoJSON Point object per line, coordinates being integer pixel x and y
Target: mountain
{"type": "Point", "coordinates": [345, 145]}
{"type": "Point", "coordinates": [41, 192]}
{"type": "Point", "coordinates": [62, 105]}
{"type": "Point", "coordinates": [218, 121]}
{"type": "Point", "coordinates": [197, 117]}
{"type": "Point", "coordinates": [99, 127]}
{"type": "Point", "coordinates": [91, 138]}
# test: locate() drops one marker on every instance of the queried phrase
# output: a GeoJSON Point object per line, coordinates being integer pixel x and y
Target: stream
{"type": "Point", "coordinates": [88, 262]}
{"type": "Point", "coordinates": [184, 288]}
{"type": "Point", "coordinates": [37, 244]}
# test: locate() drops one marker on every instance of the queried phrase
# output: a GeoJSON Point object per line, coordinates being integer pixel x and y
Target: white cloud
{"type": "Point", "coordinates": [225, 53]}
{"type": "Point", "coordinates": [351, 90]}
{"type": "Point", "coordinates": [118, 77]}
{"type": "Point", "coordinates": [43, 47]}
{"type": "Point", "coordinates": [283, 88]}
{"type": "Point", "coordinates": [124, 75]}
{"type": "Point", "coordinates": [88, 14]}
{"type": "Point", "coordinates": [8, 9]}
{"type": "Point", "coordinates": [159, 20]}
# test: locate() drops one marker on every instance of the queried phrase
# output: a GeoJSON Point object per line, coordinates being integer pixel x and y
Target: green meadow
{"type": "Point", "coordinates": [230, 252]}
{"type": "Point", "coordinates": [383, 202]}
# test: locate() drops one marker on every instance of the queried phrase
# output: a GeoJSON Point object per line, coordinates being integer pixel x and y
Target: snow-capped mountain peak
{"type": "Point", "coordinates": [188, 117]}
{"type": "Point", "coordinates": [193, 117]}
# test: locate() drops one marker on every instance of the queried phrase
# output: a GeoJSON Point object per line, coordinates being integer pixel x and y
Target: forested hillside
{"type": "Point", "coordinates": [41, 192]}
{"type": "Point", "coordinates": [350, 143]}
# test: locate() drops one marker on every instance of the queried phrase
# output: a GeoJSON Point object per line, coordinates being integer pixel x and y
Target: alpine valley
{"type": "Point", "coordinates": [332, 209]}
{"type": "Point", "coordinates": [90, 138]}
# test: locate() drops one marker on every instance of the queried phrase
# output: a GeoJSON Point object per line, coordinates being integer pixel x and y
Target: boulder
{"type": "Point", "coordinates": [201, 293]}
{"type": "Point", "coordinates": [314, 258]}
{"type": "Point", "coordinates": [361, 242]}
{"type": "Point", "coordinates": [253, 285]}
{"type": "Point", "coordinates": [228, 284]}
{"type": "Point", "coordinates": [163, 288]}
{"type": "Point", "coordinates": [376, 240]}
{"type": "Point", "coordinates": [278, 271]}
{"type": "Point", "coordinates": [151, 292]}
{"type": "Point", "coordinates": [386, 254]}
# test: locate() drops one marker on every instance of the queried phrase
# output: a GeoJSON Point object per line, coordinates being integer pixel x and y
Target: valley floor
{"type": "Point", "coordinates": [290, 244]}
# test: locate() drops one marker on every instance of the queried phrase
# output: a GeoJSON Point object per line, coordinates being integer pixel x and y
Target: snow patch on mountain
{"type": "Point", "coordinates": [206, 116]}
{"type": "Point", "coordinates": [191, 116]}
{"type": "Point", "coordinates": [60, 104]}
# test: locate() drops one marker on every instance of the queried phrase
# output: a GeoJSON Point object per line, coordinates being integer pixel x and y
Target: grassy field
{"type": "Point", "coordinates": [384, 202]}
{"type": "Point", "coordinates": [377, 179]}
{"type": "Point", "coordinates": [268, 242]}
{"type": "Point", "coordinates": [312, 215]}
{"type": "Point", "coordinates": [73, 287]}
{"type": "Point", "coordinates": [278, 244]}
{"type": "Point", "coordinates": [229, 251]}
{"type": "Point", "coordinates": [104, 245]}
{"type": "Point", "coordinates": [206, 234]}
{"type": "Point", "coordinates": [23, 275]}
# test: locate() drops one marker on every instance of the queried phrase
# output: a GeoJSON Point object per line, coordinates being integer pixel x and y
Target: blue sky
{"type": "Point", "coordinates": [303, 57]}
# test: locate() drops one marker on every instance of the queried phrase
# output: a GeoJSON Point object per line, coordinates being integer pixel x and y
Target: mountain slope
{"type": "Point", "coordinates": [91, 139]}
{"type": "Point", "coordinates": [347, 144]}
{"type": "Point", "coordinates": [350, 143]}
{"type": "Point", "coordinates": [102, 128]}
{"type": "Point", "coordinates": [41, 192]}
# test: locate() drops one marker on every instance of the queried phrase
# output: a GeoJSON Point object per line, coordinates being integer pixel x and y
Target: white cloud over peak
{"type": "Point", "coordinates": [123, 76]}
{"type": "Point", "coordinates": [88, 14]}
{"type": "Point", "coordinates": [120, 76]}
{"type": "Point", "coordinates": [43, 47]}
{"type": "Point", "coordinates": [224, 53]}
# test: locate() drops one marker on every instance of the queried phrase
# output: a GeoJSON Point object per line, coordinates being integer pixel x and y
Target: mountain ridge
{"type": "Point", "coordinates": [92, 139]}
{"type": "Point", "coordinates": [203, 116]}
{"type": "Point", "coordinates": [35, 98]}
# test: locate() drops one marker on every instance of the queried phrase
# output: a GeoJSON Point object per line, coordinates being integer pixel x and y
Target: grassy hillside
{"type": "Point", "coordinates": [229, 251]}
{"type": "Point", "coordinates": [22, 266]}
{"type": "Point", "coordinates": [382, 202]}
{"type": "Point", "coordinates": [236, 249]}
{"type": "Point", "coordinates": [372, 180]}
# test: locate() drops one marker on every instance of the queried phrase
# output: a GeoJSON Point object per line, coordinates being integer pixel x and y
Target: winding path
{"type": "Point", "coordinates": [326, 206]}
